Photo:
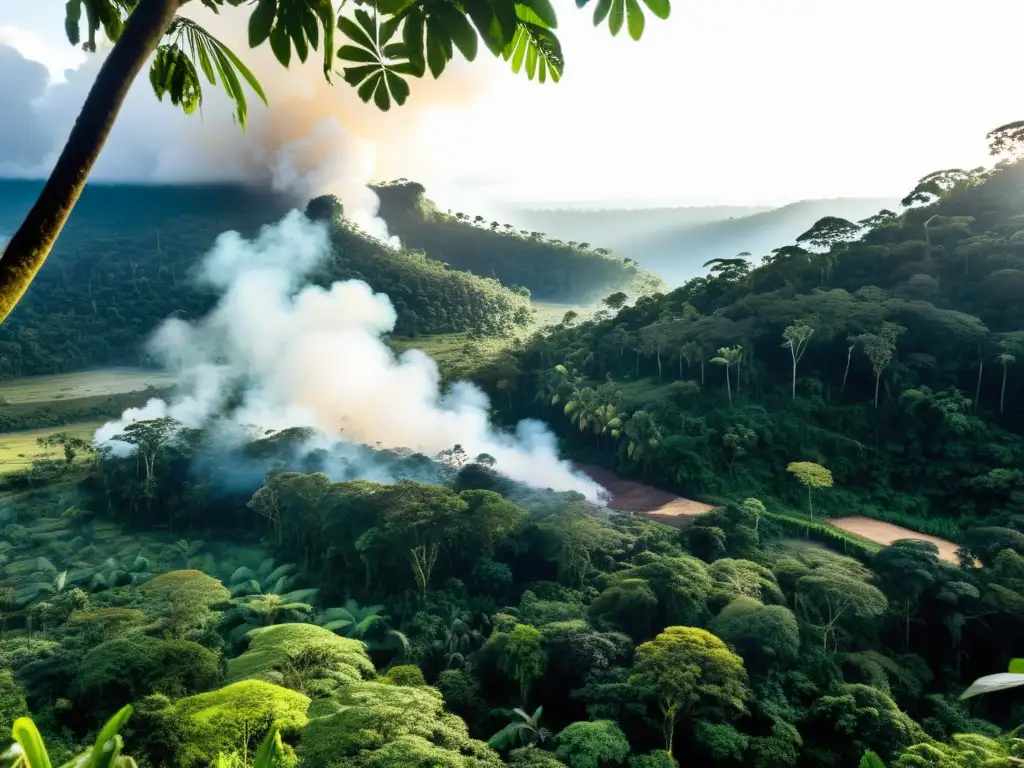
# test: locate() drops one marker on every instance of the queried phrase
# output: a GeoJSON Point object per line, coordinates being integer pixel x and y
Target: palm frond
{"type": "Point", "coordinates": [191, 50]}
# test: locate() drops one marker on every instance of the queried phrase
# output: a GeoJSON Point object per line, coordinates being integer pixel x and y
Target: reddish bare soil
{"type": "Point", "coordinates": [644, 500]}
{"type": "Point", "coordinates": [887, 533]}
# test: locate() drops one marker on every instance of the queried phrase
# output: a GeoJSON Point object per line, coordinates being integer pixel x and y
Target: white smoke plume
{"type": "Point", "coordinates": [309, 356]}
{"type": "Point", "coordinates": [313, 138]}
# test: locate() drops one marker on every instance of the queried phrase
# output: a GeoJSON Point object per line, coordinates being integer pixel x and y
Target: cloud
{"type": "Point", "coordinates": [287, 354]}
{"type": "Point", "coordinates": [23, 134]}
{"type": "Point", "coordinates": [155, 142]}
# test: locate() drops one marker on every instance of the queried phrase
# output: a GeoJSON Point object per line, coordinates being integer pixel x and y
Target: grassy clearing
{"type": "Point", "coordinates": [551, 313]}
{"type": "Point", "coordinates": [19, 449]}
{"type": "Point", "coordinates": [71, 386]}
{"type": "Point", "coordinates": [25, 416]}
{"type": "Point", "coordinates": [460, 355]}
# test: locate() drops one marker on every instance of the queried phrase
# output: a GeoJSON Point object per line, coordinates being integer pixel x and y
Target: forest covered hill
{"type": "Point", "coordinates": [124, 263]}
{"type": "Point", "coordinates": [575, 271]}
{"type": "Point", "coordinates": [619, 228]}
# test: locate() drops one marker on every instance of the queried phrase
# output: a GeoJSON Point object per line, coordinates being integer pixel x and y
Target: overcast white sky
{"type": "Point", "coordinates": [729, 101]}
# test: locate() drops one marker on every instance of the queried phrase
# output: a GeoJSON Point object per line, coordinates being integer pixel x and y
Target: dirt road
{"type": "Point", "coordinates": [654, 504]}
{"type": "Point", "coordinates": [887, 533]}
{"type": "Point", "coordinates": [645, 500]}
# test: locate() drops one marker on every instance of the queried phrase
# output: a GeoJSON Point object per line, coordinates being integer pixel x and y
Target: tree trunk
{"type": "Point", "coordinates": [657, 352]}
{"type": "Point", "coordinates": [702, 374]}
{"type": "Point", "coordinates": [849, 354]}
{"type": "Point", "coordinates": [977, 388]}
{"type": "Point", "coordinates": [31, 244]}
{"type": "Point", "coordinates": [878, 378]}
{"type": "Point", "coordinates": [1002, 390]}
{"type": "Point", "coordinates": [728, 385]}
{"type": "Point", "coordinates": [794, 375]}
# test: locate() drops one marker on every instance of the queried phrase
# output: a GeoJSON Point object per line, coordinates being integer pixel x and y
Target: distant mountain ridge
{"type": "Point", "coordinates": [615, 227]}
{"type": "Point", "coordinates": [673, 243]}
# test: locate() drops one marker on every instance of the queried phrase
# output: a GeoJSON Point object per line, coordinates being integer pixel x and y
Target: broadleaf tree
{"type": "Point", "coordinates": [385, 42]}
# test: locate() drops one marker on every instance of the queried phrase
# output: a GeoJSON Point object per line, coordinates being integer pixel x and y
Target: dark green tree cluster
{"type": "Point", "coordinates": [550, 270]}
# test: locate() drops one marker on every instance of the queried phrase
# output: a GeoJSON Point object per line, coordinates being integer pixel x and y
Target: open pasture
{"type": "Point", "coordinates": [19, 449]}
{"type": "Point", "coordinates": [69, 386]}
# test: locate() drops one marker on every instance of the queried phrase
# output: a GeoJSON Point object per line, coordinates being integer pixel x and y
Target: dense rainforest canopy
{"type": "Point", "coordinates": [888, 350]}
{"type": "Point", "coordinates": [451, 617]}
{"type": "Point", "coordinates": [387, 608]}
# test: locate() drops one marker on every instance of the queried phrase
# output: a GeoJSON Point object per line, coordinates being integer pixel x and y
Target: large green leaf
{"type": "Point", "coordinates": [1016, 666]}
{"type": "Point", "coordinates": [271, 752]}
{"type": "Point", "coordinates": [660, 8]}
{"type": "Point", "coordinates": [108, 743]}
{"type": "Point", "coordinates": [261, 21]}
{"type": "Point", "coordinates": [534, 45]}
{"type": "Point", "coordinates": [634, 19]}
{"type": "Point", "coordinates": [24, 732]}
{"type": "Point", "coordinates": [991, 683]}
{"type": "Point", "coordinates": [377, 62]}
{"type": "Point", "coordinates": [630, 11]}
{"type": "Point", "coordinates": [871, 760]}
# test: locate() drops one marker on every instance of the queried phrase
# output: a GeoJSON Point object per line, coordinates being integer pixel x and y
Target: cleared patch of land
{"type": "Point", "coordinates": [551, 313]}
{"type": "Point", "coordinates": [68, 386]}
{"type": "Point", "coordinates": [19, 449]}
{"type": "Point", "coordinates": [461, 355]}
{"type": "Point", "coordinates": [645, 500]}
{"type": "Point", "coordinates": [887, 533]}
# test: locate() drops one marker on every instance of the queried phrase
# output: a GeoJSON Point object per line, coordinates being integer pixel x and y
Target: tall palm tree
{"type": "Point", "coordinates": [582, 407]}
{"type": "Point", "coordinates": [642, 437]}
{"type": "Point", "coordinates": [728, 357]}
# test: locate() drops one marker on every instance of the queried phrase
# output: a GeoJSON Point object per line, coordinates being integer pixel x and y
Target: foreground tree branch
{"type": "Point", "coordinates": [28, 248]}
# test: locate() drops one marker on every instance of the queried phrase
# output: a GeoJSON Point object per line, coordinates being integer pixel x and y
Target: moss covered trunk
{"type": "Point", "coordinates": [31, 244]}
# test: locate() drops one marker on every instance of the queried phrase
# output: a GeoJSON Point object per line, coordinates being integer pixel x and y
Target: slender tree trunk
{"type": "Point", "coordinates": [31, 244]}
{"type": "Point", "coordinates": [977, 388]}
{"type": "Point", "coordinates": [878, 378]}
{"type": "Point", "coordinates": [728, 385]}
{"type": "Point", "coordinates": [1002, 390]}
{"type": "Point", "coordinates": [702, 374]}
{"type": "Point", "coordinates": [849, 354]}
{"type": "Point", "coordinates": [658, 354]}
{"type": "Point", "coordinates": [794, 375]}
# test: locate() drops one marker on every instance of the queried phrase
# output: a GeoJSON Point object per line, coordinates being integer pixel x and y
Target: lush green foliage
{"type": "Point", "coordinates": [453, 618]}
{"type": "Point", "coordinates": [888, 359]}
{"type": "Point", "coordinates": [724, 642]}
